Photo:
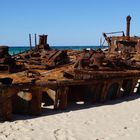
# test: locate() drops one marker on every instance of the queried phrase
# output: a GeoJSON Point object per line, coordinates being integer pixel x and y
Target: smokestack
{"type": "Point", "coordinates": [128, 18]}
{"type": "Point", "coordinates": [43, 39]}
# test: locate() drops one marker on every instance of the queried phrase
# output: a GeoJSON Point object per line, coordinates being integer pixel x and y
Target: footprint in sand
{"type": "Point", "coordinates": [1, 132]}
{"type": "Point", "coordinates": [90, 122]}
{"type": "Point", "coordinates": [31, 129]}
{"type": "Point", "coordinates": [11, 127]}
{"type": "Point", "coordinates": [31, 124]}
{"type": "Point", "coordinates": [61, 134]}
{"type": "Point", "coordinates": [7, 135]}
{"type": "Point", "coordinates": [15, 122]}
{"type": "Point", "coordinates": [4, 133]}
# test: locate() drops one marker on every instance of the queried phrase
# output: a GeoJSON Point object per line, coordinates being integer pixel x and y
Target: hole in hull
{"type": "Point", "coordinates": [127, 87]}
{"type": "Point", "coordinates": [112, 91]}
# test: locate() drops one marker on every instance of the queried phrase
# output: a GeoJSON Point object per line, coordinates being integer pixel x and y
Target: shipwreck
{"type": "Point", "coordinates": [59, 77]}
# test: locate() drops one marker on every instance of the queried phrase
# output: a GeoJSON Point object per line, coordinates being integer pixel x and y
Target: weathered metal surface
{"type": "Point", "coordinates": [99, 75]}
{"type": "Point", "coordinates": [128, 25]}
{"type": "Point", "coordinates": [88, 75]}
{"type": "Point", "coordinates": [5, 106]}
{"type": "Point", "coordinates": [23, 98]}
{"type": "Point", "coordinates": [43, 42]}
{"type": "Point", "coordinates": [7, 63]}
{"type": "Point", "coordinates": [42, 56]}
{"type": "Point", "coordinates": [124, 44]}
{"type": "Point", "coordinates": [92, 90]}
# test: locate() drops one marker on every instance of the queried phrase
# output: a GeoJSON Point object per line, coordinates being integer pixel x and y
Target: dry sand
{"type": "Point", "coordinates": [117, 120]}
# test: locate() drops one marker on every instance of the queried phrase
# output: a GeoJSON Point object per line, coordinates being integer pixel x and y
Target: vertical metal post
{"type": "Point", "coordinates": [30, 41]}
{"type": "Point", "coordinates": [46, 39]}
{"type": "Point", "coordinates": [101, 41]}
{"type": "Point", "coordinates": [35, 41]}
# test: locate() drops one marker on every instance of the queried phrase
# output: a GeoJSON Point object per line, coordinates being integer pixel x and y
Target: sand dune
{"type": "Point", "coordinates": [117, 120]}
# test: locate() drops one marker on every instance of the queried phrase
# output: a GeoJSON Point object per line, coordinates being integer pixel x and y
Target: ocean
{"type": "Point", "coordinates": [17, 49]}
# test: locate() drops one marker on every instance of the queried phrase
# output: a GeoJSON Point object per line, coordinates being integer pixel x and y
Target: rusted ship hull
{"type": "Point", "coordinates": [93, 87]}
{"type": "Point", "coordinates": [86, 86]}
{"type": "Point", "coordinates": [60, 77]}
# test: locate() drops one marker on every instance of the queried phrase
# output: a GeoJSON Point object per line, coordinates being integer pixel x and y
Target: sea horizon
{"type": "Point", "coordinates": [18, 49]}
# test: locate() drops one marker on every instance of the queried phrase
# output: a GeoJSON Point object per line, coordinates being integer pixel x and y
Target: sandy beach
{"type": "Point", "coordinates": [115, 120]}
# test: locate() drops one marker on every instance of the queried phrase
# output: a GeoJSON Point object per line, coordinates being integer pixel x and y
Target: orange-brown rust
{"type": "Point", "coordinates": [71, 76]}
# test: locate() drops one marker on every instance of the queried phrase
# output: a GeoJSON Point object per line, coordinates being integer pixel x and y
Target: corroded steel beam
{"type": "Point", "coordinates": [128, 19]}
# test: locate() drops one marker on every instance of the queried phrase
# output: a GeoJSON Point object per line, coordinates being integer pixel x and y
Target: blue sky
{"type": "Point", "coordinates": [67, 22]}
